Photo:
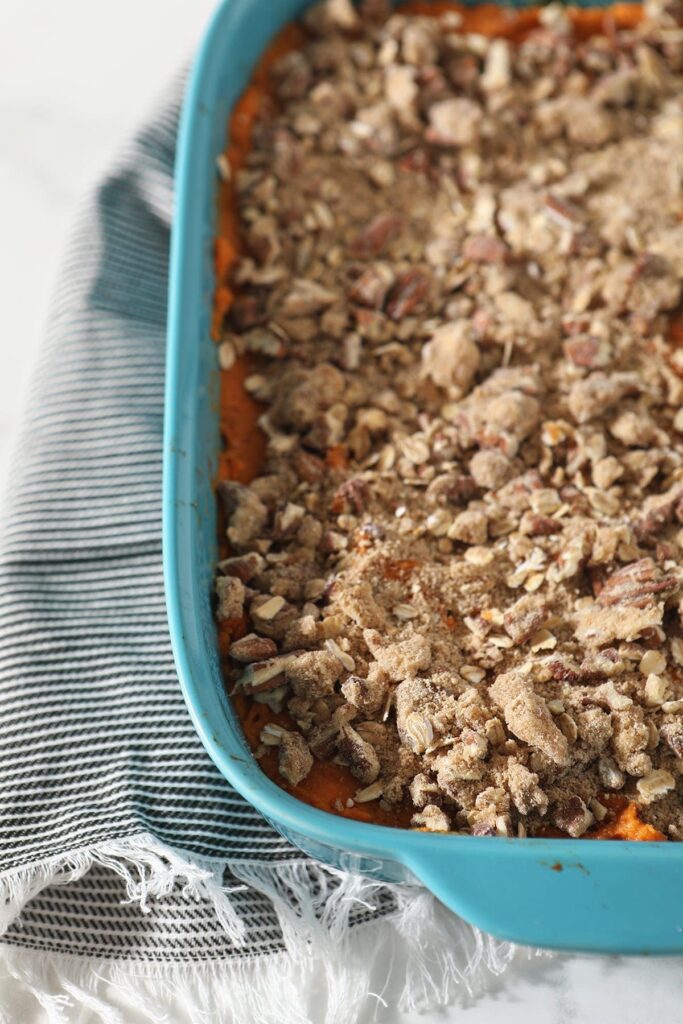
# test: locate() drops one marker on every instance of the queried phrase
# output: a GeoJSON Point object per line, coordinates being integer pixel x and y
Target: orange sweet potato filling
{"type": "Point", "coordinates": [329, 785]}
{"type": "Point", "coordinates": [624, 823]}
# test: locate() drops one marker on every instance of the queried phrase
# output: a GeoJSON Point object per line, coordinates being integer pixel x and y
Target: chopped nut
{"type": "Point", "coordinates": [610, 776]}
{"type": "Point", "coordinates": [573, 817]}
{"type": "Point", "coordinates": [542, 641]}
{"type": "Point", "coordinates": [407, 293]}
{"type": "Point", "coordinates": [525, 791]}
{"type": "Point", "coordinates": [306, 297]}
{"type": "Point", "coordinates": [656, 688]}
{"type": "Point", "coordinates": [371, 792]}
{"type": "Point", "coordinates": [454, 122]}
{"type": "Point", "coordinates": [485, 249]}
{"type": "Point", "coordinates": [608, 695]}
{"type": "Point", "coordinates": [361, 756]}
{"type": "Point", "coordinates": [525, 618]}
{"type": "Point", "coordinates": [635, 584]}
{"type": "Point", "coordinates": [271, 734]}
{"type": "Point", "coordinates": [269, 609]}
{"type": "Point", "coordinates": [652, 662]}
{"type": "Point", "coordinates": [377, 236]}
{"type": "Point", "coordinates": [472, 674]}
{"type": "Point", "coordinates": [431, 819]}
{"type": "Point", "coordinates": [261, 676]}
{"type": "Point", "coordinates": [244, 567]}
{"type": "Point", "coordinates": [253, 648]}
{"type": "Point", "coordinates": [368, 694]}
{"type": "Point", "coordinates": [655, 784]}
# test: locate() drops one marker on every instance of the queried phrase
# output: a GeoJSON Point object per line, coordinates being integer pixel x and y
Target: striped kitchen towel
{"type": "Point", "coordinates": [130, 872]}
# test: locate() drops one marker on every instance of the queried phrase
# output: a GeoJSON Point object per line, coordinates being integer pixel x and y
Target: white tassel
{"type": "Point", "coordinates": [419, 951]}
{"type": "Point", "coordinates": [148, 868]}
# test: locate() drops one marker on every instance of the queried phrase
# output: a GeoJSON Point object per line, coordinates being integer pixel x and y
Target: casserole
{"type": "Point", "coordinates": [559, 893]}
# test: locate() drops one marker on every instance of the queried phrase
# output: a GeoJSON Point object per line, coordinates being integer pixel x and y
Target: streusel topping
{"type": "Point", "coordinates": [462, 564]}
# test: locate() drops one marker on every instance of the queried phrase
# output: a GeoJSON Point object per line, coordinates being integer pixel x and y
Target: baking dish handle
{"type": "Point", "coordinates": [508, 891]}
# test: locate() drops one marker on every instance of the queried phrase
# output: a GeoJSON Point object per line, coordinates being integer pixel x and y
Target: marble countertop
{"type": "Point", "coordinates": [74, 78]}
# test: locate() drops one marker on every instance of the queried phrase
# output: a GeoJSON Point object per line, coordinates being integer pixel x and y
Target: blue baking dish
{"type": "Point", "coordinates": [618, 897]}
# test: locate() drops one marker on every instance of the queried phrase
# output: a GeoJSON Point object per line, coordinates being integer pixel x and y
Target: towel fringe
{"type": "Point", "coordinates": [148, 867]}
{"type": "Point", "coordinates": [418, 949]}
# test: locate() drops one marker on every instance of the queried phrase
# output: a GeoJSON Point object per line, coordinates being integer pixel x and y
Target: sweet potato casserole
{"type": "Point", "coordinates": [449, 279]}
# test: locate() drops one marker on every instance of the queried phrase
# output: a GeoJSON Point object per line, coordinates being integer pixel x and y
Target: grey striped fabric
{"type": "Point", "coordinates": [95, 740]}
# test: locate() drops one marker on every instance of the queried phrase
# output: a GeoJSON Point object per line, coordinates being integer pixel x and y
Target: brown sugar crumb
{"type": "Point", "coordinates": [457, 576]}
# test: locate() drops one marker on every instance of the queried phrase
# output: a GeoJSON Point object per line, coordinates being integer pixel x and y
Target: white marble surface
{"type": "Point", "coordinates": [74, 77]}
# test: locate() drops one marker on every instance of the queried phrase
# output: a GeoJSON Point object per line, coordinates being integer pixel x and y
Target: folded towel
{"type": "Point", "coordinates": [138, 872]}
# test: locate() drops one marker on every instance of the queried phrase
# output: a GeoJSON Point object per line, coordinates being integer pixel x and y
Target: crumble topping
{"type": "Point", "coordinates": [462, 563]}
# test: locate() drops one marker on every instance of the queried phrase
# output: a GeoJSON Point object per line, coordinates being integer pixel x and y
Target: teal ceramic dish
{"type": "Point", "coordinates": [618, 897]}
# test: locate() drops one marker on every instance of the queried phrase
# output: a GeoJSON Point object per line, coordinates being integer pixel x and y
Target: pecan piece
{"type": "Point", "coordinates": [562, 212]}
{"type": "Point", "coordinates": [485, 249]}
{"type": "Point", "coordinates": [372, 286]}
{"type": "Point", "coordinates": [368, 695]}
{"type": "Point", "coordinates": [376, 237]}
{"type": "Point", "coordinates": [424, 791]}
{"type": "Point", "coordinates": [450, 489]}
{"type": "Point", "coordinates": [658, 513]}
{"type": "Point", "coordinates": [262, 676]}
{"type": "Point", "coordinates": [572, 816]}
{"type": "Point", "coordinates": [244, 567]}
{"type": "Point", "coordinates": [525, 617]}
{"type": "Point", "coordinates": [583, 350]}
{"type": "Point", "coordinates": [454, 122]}
{"type": "Point", "coordinates": [532, 524]}
{"type": "Point", "coordinates": [251, 648]}
{"type": "Point", "coordinates": [672, 734]}
{"type": "Point", "coordinates": [351, 494]}
{"type": "Point", "coordinates": [306, 297]}
{"type": "Point", "coordinates": [308, 467]}
{"type": "Point", "coordinates": [248, 311]}
{"type": "Point", "coordinates": [636, 584]}
{"type": "Point", "coordinates": [361, 756]}
{"type": "Point", "coordinates": [408, 292]}
{"type": "Point", "coordinates": [526, 794]}
{"type": "Point", "coordinates": [272, 616]}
